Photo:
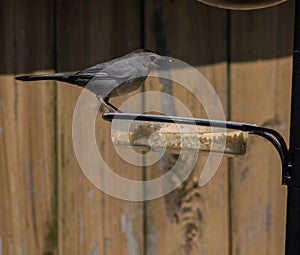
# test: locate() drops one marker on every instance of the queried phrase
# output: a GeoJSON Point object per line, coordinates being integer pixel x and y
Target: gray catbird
{"type": "Point", "coordinates": [110, 79]}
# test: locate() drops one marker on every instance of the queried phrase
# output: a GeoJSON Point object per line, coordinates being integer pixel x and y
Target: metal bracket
{"type": "Point", "coordinates": [294, 156]}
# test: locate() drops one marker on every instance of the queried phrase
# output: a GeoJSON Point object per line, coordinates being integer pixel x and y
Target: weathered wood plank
{"type": "Point", "coordinates": [260, 78]}
{"type": "Point", "coordinates": [27, 134]}
{"type": "Point", "coordinates": [48, 212]}
{"type": "Point", "coordinates": [91, 222]}
{"type": "Point", "coordinates": [189, 220]}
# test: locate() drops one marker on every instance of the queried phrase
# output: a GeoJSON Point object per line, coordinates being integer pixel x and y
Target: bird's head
{"type": "Point", "coordinates": [149, 59]}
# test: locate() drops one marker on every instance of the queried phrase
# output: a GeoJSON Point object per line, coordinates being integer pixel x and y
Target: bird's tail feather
{"type": "Point", "coordinates": [38, 77]}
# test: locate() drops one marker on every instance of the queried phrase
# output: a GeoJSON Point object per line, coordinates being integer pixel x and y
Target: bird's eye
{"type": "Point", "coordinates": [152, 58]}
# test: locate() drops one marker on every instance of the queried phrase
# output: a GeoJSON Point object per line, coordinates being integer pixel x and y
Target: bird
{"type": "Point", "coordinates": [113, 78]}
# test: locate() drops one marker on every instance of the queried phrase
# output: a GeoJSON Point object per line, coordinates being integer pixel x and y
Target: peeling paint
{"type": "Point", "coordinates": [20, 252]}
{"type": "Point", "coordinates": [151, 239]}
{"type": "Point", "coordinates": [269, 217]}
{"type": "Point", "coordinates": [90, 195]}
{"type": "Point", "coordinates": [94, 251]}
{"type": "Point", "coordinates": [128, 228]}
{"type": "Point", "coordinates": [81, 231]}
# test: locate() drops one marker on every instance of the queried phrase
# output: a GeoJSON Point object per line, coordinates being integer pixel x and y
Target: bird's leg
{"type": "Point", "coordinates": [108, 105]}
{"type": "Point", "coordinates": [111, 105]}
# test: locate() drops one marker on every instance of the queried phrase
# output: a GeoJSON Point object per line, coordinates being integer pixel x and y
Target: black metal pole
{"type": "Point", "coordinates": [292, 245]}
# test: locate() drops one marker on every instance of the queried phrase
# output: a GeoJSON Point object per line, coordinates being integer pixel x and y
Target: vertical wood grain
{"type": "Point", "coordinates": [47, 204]}
{"type": "Point", "coordinates": [91, 222]}
{"type": "Point", "coordinates": [189, 220]}
{"type": "Point", "coordinates": [27, 127]}
{"type": "Point", "coordinates": [260, 93]}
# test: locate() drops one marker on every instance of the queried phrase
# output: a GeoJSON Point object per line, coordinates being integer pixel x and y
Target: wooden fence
{"type": "Point", "coordinates": [48, 206]}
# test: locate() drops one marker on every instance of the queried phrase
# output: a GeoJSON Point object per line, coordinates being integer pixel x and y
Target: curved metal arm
{"type": "Point", "coordinates": [273, 141]}
{"type": "Point", "coordinates": [281, 147]}
{"type": "Point", "coordinates": [269, 134]}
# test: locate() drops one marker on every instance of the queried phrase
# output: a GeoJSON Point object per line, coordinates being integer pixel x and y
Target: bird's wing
{"type": "Point", "coordinates": [120, 71]}
{"type": "Point", "coordinates": [111, 72]}
{"type": "Point", "coordinates": [108, 71]}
